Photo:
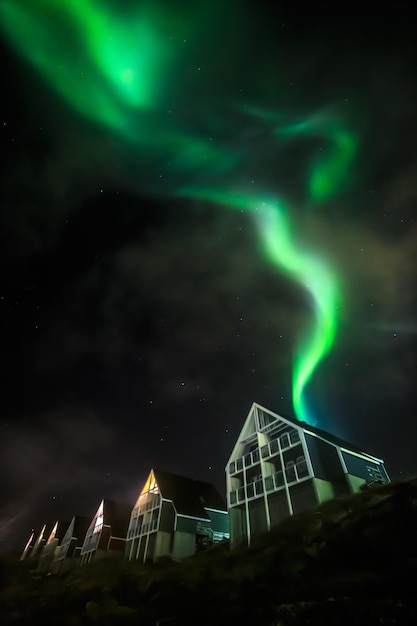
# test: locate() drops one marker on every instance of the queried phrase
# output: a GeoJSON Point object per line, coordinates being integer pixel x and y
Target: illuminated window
{"type": "Point", "coordinates": [53, 533]}
{"type": "Point", "coordinates": [375, 474]}
{"type": "Point", "coordinates": [151, 485]}
{"type": "Point", "coordinates": [99, 519]}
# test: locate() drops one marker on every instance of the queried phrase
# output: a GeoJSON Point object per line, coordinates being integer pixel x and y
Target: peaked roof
{"type": "Point", "coordinates": [341, 443]}
{"type": "Point", "coordinates": [43, 535]}
{"type": "Point", "coordinates": [77, 528]}
{"type": "Point", "coordinates": [190, 497]}
{"type": "Point", "coordinates": [117, 515]}
{"type": "Point", "coordinates": [58, 531]}
{"type": "Point", "coordinates": [80, 526]}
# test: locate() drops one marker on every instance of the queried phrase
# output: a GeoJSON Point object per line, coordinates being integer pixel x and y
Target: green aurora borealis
{"type": "Point", "coordinates": [117, 67]}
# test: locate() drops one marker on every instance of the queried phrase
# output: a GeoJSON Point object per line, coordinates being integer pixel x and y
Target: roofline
{"type": "Point", "coordinates": [203, 519]}
{"type": "Point", "coordinates": [253, 405]}
{"type": "Point", "coordinates": [342, 448]}
{"type": "Point", "coordinates": [362, 454]}
{"type": "Point", "coordinates": [115, 537]}
{"type": "Point", "coordinates": [208, 508]}
{"type": "Point", "coordinates": [304, 427]}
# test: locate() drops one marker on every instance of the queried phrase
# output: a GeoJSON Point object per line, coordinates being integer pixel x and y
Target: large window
{"type": "Point", "coordinates": [294, 437]}
{"type": "Point", "coordinates": [265, 451]}
{"type": "Point", "coordinates": [284, 441]}
{"type": "Point", "coordinates": [250, 490]}
{"type": "Point", "coordinates": [98, 525]}
{"type": "Point", "coordinates": [274, 446]}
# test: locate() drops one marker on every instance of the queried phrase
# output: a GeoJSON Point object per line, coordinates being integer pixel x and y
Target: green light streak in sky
{"type": "Point", "coordinates": [100, 64]}
{"type": "Point", "coordinates": [117, 68]}
{"type": "Point", "coordinates": [311, 273]}
{"type": "Point", "coordinates": [331, 170]}
{"type": "Point", "coordinates": [306, 269]}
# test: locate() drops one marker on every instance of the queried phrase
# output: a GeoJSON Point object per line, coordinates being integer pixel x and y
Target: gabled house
{"type": "Point", "coordinates": [36, 544]}
{"type": "Point", "coordinates": [53, 541]}
{"type": "Point", "coordinates": [281, 466]}
{"type": "Point", "coordinates": [106, 534]}
{"type": "Point", "coordinates": [175, 516]}
{"type": "Point", "coordinates": [68, 553]}
{"type": "Point", "coordinates": [27, 550]}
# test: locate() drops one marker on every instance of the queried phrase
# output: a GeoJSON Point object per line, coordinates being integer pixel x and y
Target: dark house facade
{"type": "Point", "coordinates": [68, 553]}
{"type": "Point", "coordinates": [36, 543]}
{"type": "Point", "coordinates": [106, 534]}
{"type": "Point", "coordinates": [175, 516]}
{"type": "Point", "coordinates": [51, 546]}
{"type": "Point", "coordinates": [281, 466]}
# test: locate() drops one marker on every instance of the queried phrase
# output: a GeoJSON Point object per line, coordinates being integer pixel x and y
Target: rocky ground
{"type": "Point", "coordinates": [350, 561]}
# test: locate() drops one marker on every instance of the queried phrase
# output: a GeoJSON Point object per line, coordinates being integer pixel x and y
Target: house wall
{"type": "Point", "coordinates": [325, 490]}
{"type": "Point", "coordinates": [331, 478]}
{"type": "Point", "coordinates": [162, 545]}
{"type": "Point", "coordinates": [284, 469]}
{"type": "Point", "coordinates": [184, 545]}
{"type": "Point", "coordinates": [104, 540]}
{"type": "Point", "coordinates": [303, 496]}
{"type": "Point", "coordinates": [187, 524]}
{"type": "Point", "coordinates": [117, 544]}
{"type": "Point", "coordinates": [278, 507]}
{"type": "Point", "coordinates": [91, 542]}
{"type": "Point", "coordinates": [237, 525]}
{"type": "Point", "coordinates": [324, 459]}
{"type": "Point", "coordinates": [167, 517]}
{"type": "Point", "coordinates": [152, 544]}
{"type": "Point", "coordinates": [258, 521]}
{"type": "Point", "coordinates": [47, 556]}
{"type": "Point", "coordinates": [355, 483]}
{"type": "Point", "coordinates": [219, 521]}
{"type": "Point", "coordinates": [366, 469]}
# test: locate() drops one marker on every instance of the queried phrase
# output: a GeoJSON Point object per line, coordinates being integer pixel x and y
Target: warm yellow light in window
{"type": "Point", "coordinates": [150, 485]}
{"type": "Point", "coordinates": [53, 533]}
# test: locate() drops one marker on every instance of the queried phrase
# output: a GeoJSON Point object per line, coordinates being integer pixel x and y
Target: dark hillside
{"type": "Point", "coordinates": [350, 561]}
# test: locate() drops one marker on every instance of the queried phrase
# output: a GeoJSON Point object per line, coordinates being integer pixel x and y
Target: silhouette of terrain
{"type": "Point", "coordinates": [349, 561]}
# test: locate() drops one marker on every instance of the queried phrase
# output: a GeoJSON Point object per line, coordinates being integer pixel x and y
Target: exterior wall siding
{"type": "Point", "coordinates": [278, 468]}
{"type": "Point", "coordinates": [324, 459]}
{"type": "Point", "coordinates": [184, 545]}
{"type": "Point", "coordinates": [163, 544]}
{"type": "Point", "coordinates": [367, 469]}
{"type": "Point", "coordinates": [167, 518]}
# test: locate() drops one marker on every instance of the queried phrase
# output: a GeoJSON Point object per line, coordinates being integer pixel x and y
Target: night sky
{"type": "Point", "coordinates": [148, 294]}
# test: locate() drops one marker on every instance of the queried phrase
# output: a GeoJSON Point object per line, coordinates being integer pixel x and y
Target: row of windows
{"type": "Point", "coordinates": [147, 506]}
{"type": "Point", "coordinates": [283, 442]}
{"type": "Point", "coordinates": [90, 541]}
{"type": "Point", "coordinates": [292, 473]}
{"type": "Point", "coordinates": [142, 529]}
{"type": "Point", "coordinates": [375, 474]}
{"type": "Point", "coordinates": [86, 558]}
